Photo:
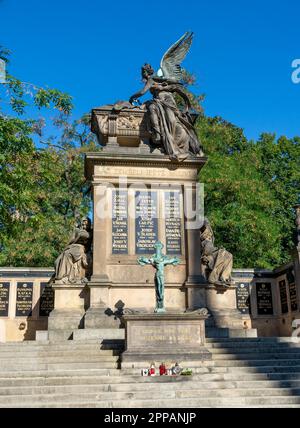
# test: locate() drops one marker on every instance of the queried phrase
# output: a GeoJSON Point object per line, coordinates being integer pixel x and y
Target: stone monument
{"type": "Point", "coordinates": [145, 190]}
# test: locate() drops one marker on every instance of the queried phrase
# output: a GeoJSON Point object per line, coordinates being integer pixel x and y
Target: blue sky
{"type": "Point", "coordinates": [241, 54]}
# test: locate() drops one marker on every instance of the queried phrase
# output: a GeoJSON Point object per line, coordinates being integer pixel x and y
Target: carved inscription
{"type": "Point", "coordinates": [119, 222]}
{"type": "Point", "coordinates": [46, 299]}
{"type": "Point", "coordinates": [146, 221]}
{"type": "Point", "coordinates": [162, 335]}
{"type": "Point", "coordinates": [243, 297]}
{"type": "Point", "coordinates": [24, 299]}
{"type": "Point", "coordinates": [4, 298]}
{"type": "Point", "coordinates": [264, 298]}
{"type": "Point", "coordinates": [292, 290]}
{"type": "Point", "coordinates": [109, 171]}
{"type": "Point", "coordinates": [283, 296]}
{"type": "Point", "coordinates": [173, 222]}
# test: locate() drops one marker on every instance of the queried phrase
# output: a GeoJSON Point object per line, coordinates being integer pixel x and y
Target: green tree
{"type": "Point", "coordinates": [279, 164]}
{"type": "Point", "coordinates": [238, 200]}
{"type": "Point", "coordinates": [42, 187]}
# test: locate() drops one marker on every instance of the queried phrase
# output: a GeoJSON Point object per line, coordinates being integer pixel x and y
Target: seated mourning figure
{"type": "Point", "coordinates": [73, 264]}
{"type": "Point", "coordinates": [216, 263]}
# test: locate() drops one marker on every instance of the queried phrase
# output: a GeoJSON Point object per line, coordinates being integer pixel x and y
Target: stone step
{"type": "Point", "coordinates": [110, 369]}
{"type": "Point", "coordinates": [255, 350]}
{"type": "Point", "coordinates": [62, 354]}
{"type": "Point", "coordinates": [69, 365]}
{"type": "Point", "coordinates": [141, 391]}
{"type": "Point", "coordinates": [23, 384]}
{"type": "Point", "coordinates": [251, 363]}
{"type": "Point", "coordinates": [66, 346]}
{"type": "Point", "coordinates": [254, 340]}
{"type": "Point", "coordinates": [113, 377]}
{"type": "Point", "coordinates": [102, 405]}
{"type": "Point", "coordinates": [97, 357]}
{"type": "Point", "coordinates": [257, 356]}
{"type": "Point", "coordinates": [260, 345]}
{"type": "Point", "coordinates": [227, 369]}
{"type": "Point", "coordinates": [87, 401]}
{"type": "Point", "coordinates": [100, 355]}
{"type": "Point", "coordinates": [220, 363]}
{"type": "Point", "coordinates": [99, 362]}
{"type": "Point", "coordinates": [98, 347]}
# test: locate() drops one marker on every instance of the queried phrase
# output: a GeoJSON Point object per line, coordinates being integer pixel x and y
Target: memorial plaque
{"type": "Point", "coordinates": [293, 296]}
{"type": "Point", "coordinates": [243, 297]}
{"type": "Point", "coordinates": [292, 289]}
{"type": "Point", "coordinates": [119, 222]}
{"type": "Point", "coordinates": [146, 222]}
{"type": "Point", "coordinates": [283, 297]}
{"type": "Point", "coordinates": [290, 276]}
{"type": "Point", "coordinates": [173, 337]}
{"type": "Point", "coordinates": [4, 298]}
{"type": "Point", "coordinates": [46, 299]}
{"type": "Point", "coordinates": [24, 299]}
{"type": "Point", "coordinates": [173, 223]}
{"type": "Point", "coordinates": [264, 298]}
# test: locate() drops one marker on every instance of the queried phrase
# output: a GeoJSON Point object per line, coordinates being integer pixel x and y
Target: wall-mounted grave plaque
{"type": "Point", "coordinates": [243, 297]}
{"type": "Point", "coordinates": [264, 298]}
{"type": "Point", "coordinates": [46, 299]}
{"type": "Point", "coordinates": [283, 296]}
{"type": "Point", "coordinates": [24, 299]}
{"type": "Point", "coordinates": [4, 298]}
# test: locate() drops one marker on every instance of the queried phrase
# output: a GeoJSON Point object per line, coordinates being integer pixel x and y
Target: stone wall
{"type": "Point", "coordinates": [22, 309]}
{"type": "Point", "coordinates": [274, 298]}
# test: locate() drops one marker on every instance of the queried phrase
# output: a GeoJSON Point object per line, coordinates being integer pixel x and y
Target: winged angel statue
{"type": "Point", "coordinates": [170, 127]}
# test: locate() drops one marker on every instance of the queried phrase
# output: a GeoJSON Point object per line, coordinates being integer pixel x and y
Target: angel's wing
{"type": "Point", "coordinates": [170, 63]}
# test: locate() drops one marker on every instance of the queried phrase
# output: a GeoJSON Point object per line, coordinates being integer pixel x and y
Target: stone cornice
{"type": "Point", "coordinates": [138, 160]}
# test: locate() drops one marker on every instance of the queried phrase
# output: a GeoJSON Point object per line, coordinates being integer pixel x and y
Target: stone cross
{"type": "Point", "coordinates": [159, 261]}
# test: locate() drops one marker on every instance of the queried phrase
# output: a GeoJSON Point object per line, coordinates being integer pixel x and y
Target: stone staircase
{"type": "Point", "coordinates": [260, 372]}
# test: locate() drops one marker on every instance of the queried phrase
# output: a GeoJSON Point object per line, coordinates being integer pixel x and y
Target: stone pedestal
{"type": "Point", "coordinates": [164, 337]}
{"type": "Point", "coordinates": [221, 302]}
{"type": "Point", "coordinates": [71, 301]}
{"type": "Point", "coordinates": [100, 315]}
{"type": "Point", "coordinates": [226, 320]}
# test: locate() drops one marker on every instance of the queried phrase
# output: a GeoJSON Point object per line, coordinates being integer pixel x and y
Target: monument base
{"type": "Point", "coordinates": [221, 302]}
{"type": "Point", "coordinates": [101, 317]}
{"type": "Point", "coordinates": [164, 337]}
{"type": "Point", "coordinates": [69, 308]}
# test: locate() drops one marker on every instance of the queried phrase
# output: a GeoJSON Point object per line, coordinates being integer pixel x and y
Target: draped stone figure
{"type": "Point", "coordinates": [170, 127]}
{"type": "Point", "coordinates": [216, 263]}
{"type": "Point", "coordinates": [73, 264]}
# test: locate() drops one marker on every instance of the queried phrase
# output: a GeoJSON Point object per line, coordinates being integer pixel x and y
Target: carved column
{"type": "Point", "coordinates": [195, 283]}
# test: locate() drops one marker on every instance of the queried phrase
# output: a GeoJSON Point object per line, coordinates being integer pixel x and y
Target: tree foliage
{"type": "Point", "coordinates": [250, 187]}
{"type": "Point", "coordinates": [43, 192]}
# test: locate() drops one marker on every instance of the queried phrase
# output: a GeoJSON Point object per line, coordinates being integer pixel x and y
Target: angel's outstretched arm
{"type": "Point", "coordinates": [141, 92]}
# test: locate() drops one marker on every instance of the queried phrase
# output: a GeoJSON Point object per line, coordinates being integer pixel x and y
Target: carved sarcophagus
{"type": "Point", "coordinates": [122, 126]}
